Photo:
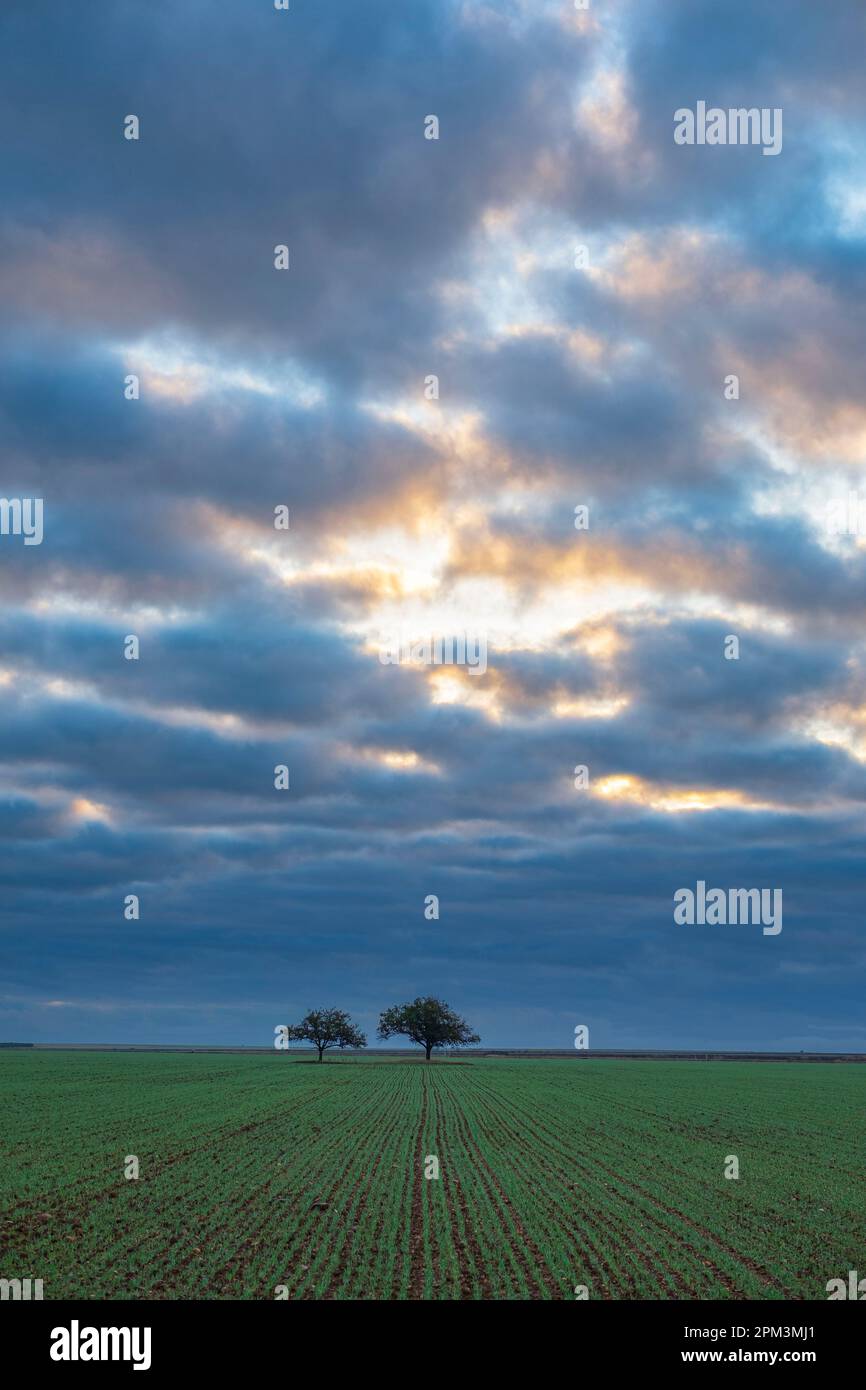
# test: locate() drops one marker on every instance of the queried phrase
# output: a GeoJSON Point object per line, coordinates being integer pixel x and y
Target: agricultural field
{"type": "Point", "coordinates": [271, 1176]}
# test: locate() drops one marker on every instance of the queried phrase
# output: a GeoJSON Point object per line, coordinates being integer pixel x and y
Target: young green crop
{"type": "Point", "coordinates": [264, 1176]}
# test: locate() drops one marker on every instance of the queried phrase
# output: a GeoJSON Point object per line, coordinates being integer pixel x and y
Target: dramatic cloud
{"type": "Point", "coordinates": [493, 390]}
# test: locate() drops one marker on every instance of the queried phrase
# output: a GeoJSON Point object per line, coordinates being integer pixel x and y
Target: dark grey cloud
{"type": "Point", "coordinates": [307, 128]}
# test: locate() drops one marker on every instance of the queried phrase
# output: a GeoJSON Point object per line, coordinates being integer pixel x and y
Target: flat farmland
{"type": "Point", "coordinates": [271, 1176]}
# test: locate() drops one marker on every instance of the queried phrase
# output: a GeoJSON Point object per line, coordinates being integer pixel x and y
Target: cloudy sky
{"type": "Point", "coordinates": [599, 384]}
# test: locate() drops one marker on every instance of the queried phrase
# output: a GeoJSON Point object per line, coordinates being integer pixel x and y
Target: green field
{"type": "Point", "coordinates": [259, 1171]}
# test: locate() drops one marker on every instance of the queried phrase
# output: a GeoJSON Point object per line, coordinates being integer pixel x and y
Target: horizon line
{"type": "Point", "coordinates": [469, 1051]}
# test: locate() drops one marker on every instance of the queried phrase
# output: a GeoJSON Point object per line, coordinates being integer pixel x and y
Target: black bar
{"type": "Point", "coordinates": [642, 1336]}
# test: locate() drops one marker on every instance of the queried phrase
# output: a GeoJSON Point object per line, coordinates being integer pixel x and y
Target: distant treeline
{"type": "Point", "coordinates": [527, 1052]}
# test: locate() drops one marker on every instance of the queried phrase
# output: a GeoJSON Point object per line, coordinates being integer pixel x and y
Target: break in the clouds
{"type": "Point", "coordinates": [583, 290]}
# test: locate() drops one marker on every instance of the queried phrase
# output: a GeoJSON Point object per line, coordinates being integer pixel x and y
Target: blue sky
{"type": "Point", "coordinates": [600, 385]}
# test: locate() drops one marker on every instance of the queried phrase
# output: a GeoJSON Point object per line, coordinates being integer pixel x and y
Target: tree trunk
{"type": "Point", "coordinates": [321, 1053]}
{"type": "Point", "coordinates": [429, 1048]}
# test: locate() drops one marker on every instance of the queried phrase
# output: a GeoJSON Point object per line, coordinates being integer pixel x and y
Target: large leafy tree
{"type": "Point", "coordinates": [326, 1028]}
{"type": "Point", "coordinates": [428, 1022]}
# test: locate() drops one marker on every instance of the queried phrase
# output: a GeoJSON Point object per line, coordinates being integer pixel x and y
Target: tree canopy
{"type": "Point", "coordinates": [326, 1028]}
{"type": "Point", "coordinates": [428, 1022]}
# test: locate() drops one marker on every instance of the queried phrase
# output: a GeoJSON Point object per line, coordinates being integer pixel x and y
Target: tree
{"type": "Point", "coordinates": [326, 1028]}
{"type": "Point", "coordinates": [428, 1022]}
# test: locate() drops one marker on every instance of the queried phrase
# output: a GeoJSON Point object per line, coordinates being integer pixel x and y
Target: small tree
{"type": "Point", "coordinates": [326, 1028]}
{"type": "Point", "coordinates": [428, 1022]}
